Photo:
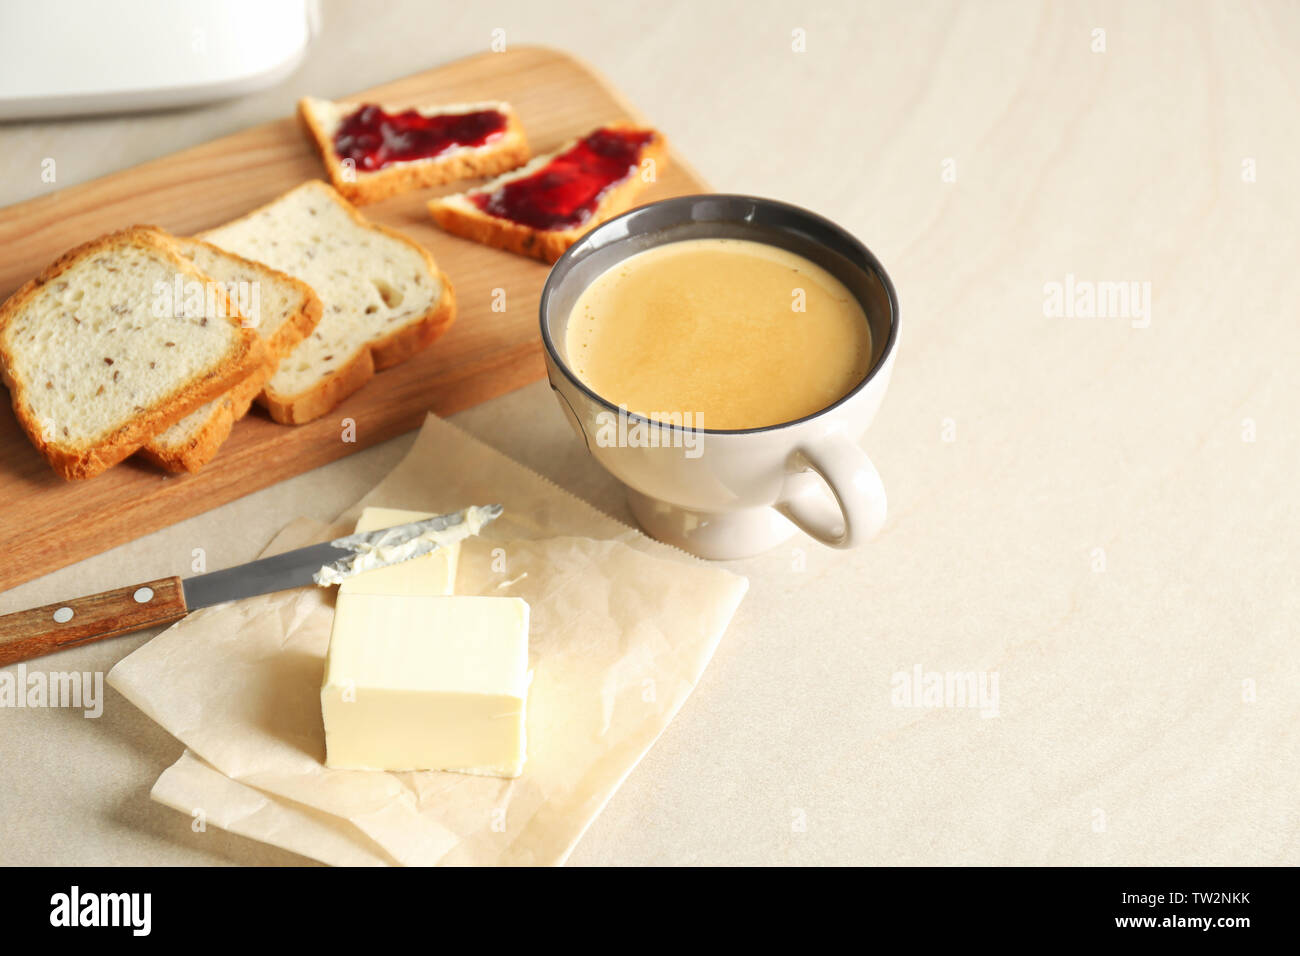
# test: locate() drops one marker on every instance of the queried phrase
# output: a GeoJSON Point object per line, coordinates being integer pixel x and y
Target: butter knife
{"type": "Point", "coordinates": [53, 627]}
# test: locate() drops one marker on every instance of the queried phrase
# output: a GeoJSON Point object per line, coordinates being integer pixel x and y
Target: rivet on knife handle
{"type": "Point", "coordinates": [44, 630]}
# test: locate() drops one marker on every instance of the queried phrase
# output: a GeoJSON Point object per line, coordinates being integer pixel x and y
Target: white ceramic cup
{"type": "Point", "coordinates": [734, 493]}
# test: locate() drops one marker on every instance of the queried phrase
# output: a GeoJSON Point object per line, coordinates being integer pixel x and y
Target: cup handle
{"type": "Point", "coordinates": [859, 504]}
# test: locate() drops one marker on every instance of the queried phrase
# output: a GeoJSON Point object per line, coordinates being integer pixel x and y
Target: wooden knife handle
{"type": "Point", "coordinates": [44, 630]}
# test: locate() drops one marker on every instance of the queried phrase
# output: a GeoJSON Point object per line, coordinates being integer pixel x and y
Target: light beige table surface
{"type": "Point", "coordinates": [1099, 513]}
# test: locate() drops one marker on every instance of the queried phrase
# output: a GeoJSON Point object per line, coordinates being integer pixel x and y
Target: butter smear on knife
{"type": "Point", "coordinates": [380, 549]}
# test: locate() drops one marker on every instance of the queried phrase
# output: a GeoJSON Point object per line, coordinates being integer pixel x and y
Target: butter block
{"type": "Point", "coordinates": [427, 683]}
{"type": "Point", "coordinates": [431, 574]}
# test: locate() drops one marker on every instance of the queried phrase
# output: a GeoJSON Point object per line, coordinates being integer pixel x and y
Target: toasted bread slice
{"type": "Point", "coordinates": [283, 310]}
{"type": "Point", "coordinates": [530, 210]}
{"type": "Point", "coordinates": [367, 178]}
{"type": "Point", "coordinates": [383, 297]}
{"type": "Point", "coordinates": [115, 341]}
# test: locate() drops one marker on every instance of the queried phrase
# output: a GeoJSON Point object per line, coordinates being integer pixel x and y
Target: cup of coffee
{"type": "Point", "coordinates": [722, 356]}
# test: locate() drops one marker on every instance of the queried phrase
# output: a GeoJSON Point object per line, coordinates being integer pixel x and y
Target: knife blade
{"type": "Point", "coordinates": [43, 630]}
{"type": "Point", "coordinates": [338, 559]}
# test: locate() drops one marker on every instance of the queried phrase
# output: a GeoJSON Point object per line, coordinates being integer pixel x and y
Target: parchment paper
{"type": "Point", "coordinates": [195, 787]}
{"type": "Point", "coordinates": [622, 628]}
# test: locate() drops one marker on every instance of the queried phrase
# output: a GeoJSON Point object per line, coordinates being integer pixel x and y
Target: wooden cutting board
{"type": "Point", "coordinates": [46, 523]}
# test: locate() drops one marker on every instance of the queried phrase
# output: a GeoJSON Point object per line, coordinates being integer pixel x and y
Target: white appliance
{"type": "Point", "coordinates": [69, 57]}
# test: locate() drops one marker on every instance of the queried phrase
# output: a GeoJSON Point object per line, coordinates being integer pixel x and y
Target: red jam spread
{"type": "Point", "coordinates": [373, 138]}
{"type": "Point", "coordinates": [565, 192]}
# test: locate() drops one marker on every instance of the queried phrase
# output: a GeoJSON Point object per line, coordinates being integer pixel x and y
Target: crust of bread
{"type": "Point", "coordinates": [200, 447]}
{"type": "Point", "coordinates": [378, 354]}
{"type": "Point", "coordinates": [203, 443]}
{"type": "Point", "coordinates": [547, 245]}
{"type": "Point", "coordinates": [245, 393]}
{"type": "Point", "coordinates": [381, 354]}
{"type": "Point", "coordinates": [312, 404]}
{"type": "Point", "coordinates": [81, 463]}
{"type": "Point", "coordinates": [363, 188]}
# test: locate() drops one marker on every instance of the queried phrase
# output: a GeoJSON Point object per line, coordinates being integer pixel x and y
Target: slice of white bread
{"type": "Point", "coordinates": [283, 310]}
{"type": "Point", "coordinates": [459, 214]}
{"type": "Point", "coordinates": [504, 150]}
{"type": "Point", "coordinates": [100, 353]}
{"type": "Point", "coordinates": [383, 297]}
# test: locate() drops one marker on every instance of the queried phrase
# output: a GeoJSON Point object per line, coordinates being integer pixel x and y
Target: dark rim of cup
{"type": "Point", "coordinates": [850, 247]}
